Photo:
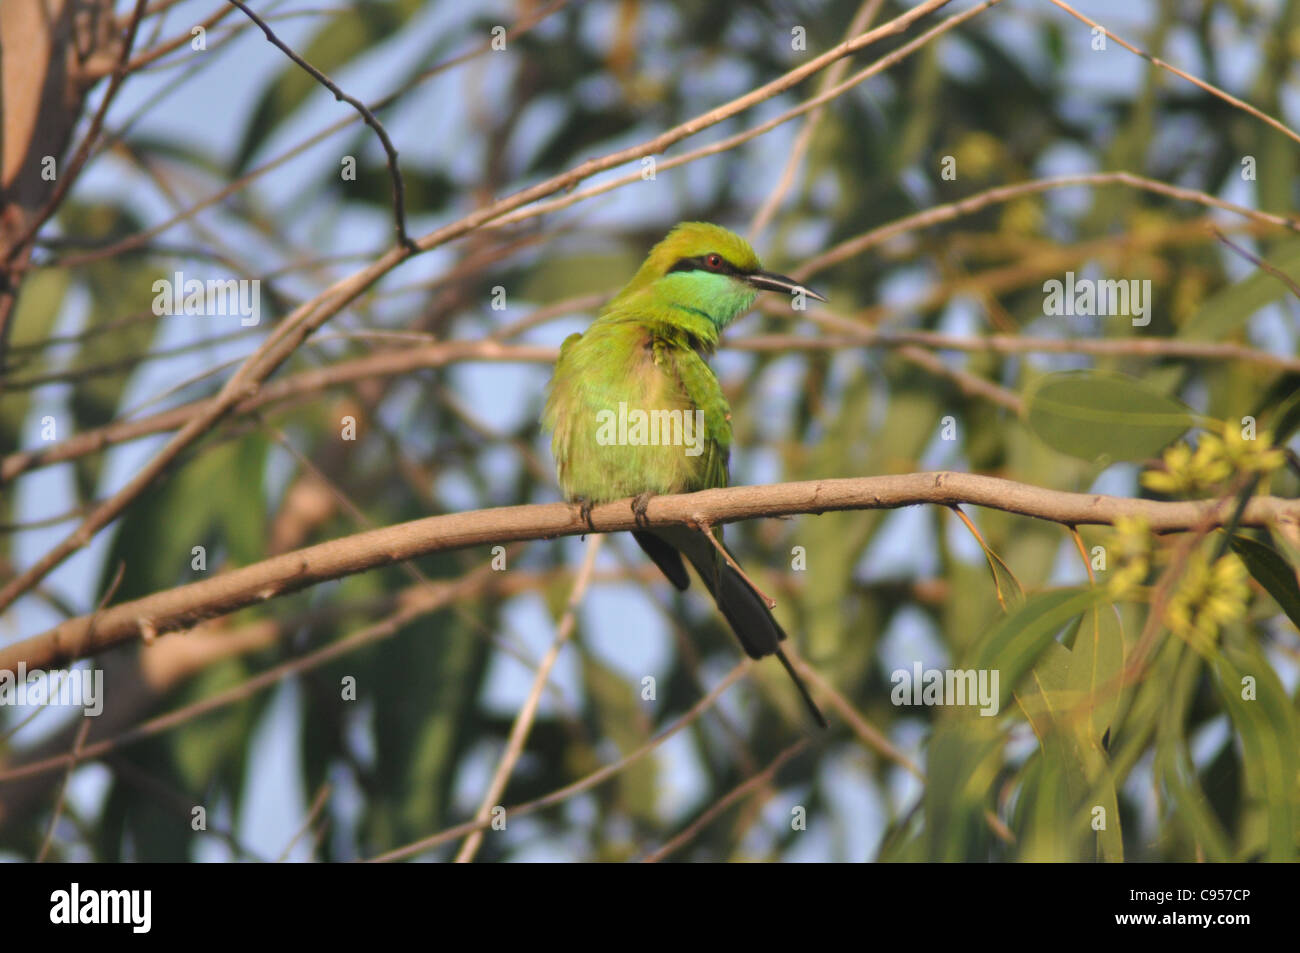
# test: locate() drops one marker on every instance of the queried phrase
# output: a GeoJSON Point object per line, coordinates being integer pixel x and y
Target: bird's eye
{"type": "Point", "coordinates": [714, 261]}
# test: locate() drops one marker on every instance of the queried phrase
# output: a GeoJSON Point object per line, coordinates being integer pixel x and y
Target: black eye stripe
{"type": "Point", "coordinates": [700, 263]}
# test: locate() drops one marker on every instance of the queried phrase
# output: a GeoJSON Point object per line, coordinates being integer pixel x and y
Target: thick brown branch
{"type": "Point", "coordinates": [180, 608]}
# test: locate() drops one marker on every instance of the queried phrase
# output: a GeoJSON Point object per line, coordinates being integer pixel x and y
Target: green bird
{"type": "Point", "coordinates": [635, 410]}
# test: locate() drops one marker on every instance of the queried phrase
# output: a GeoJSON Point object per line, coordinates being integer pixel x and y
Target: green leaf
{"type": "Point", "coordinates": [1071, 776]}
{"type": "Point", "coordinates": [1040, 699]}
{"type": "Point", "coordinates": [1194, 812]}
{"type": "Point", "coordinates": [963, 764]}
{"type": "Point", "coordinates": [1265, 721]}
{"type": "Point", "coordinates": [205, 748]}
{"type": "Point", "coordinates": [422, 684]}
{"type": "Point", "coordinates": [1096, 663]}
{"type": "Point", "coordinates": [1042, 818]}
{"type": "Point", "coordinates": [1272, 572]}
{"type": "Point", "coordinates": [1011, 595]}
{"type": "Point", "coordinates": [1093, 415]}
{"type": "Point", "coordinates": [214, 500]}
{"type": "Point", "coordinates": [624, 722]}
{"type": "Point", "coordinates": [40, 299]}
{"type": "Point", "coordinates": [1014, 645]}
{"type": "Point", "coordinates": [1285, 419]}
{"type": "Point", "coordinates": [1234, 305]}
{"type": "Point", "coordinates": [1290, 552]}
{"type": "Point", "coordinates": [1173, 764]}
{"type": "Point", "coordinates": [963, 754]}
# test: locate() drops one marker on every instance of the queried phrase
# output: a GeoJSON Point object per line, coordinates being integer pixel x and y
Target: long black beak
{"type": "Point", "coordinates": [770, 281]}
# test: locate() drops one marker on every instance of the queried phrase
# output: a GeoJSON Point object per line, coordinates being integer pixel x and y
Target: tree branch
{"type": "Point", "coordinates": [180, 608]}
{"type": "Point", "coordinates": [382, 364]}
{"type": "Point", "coordinates": [394, 170]}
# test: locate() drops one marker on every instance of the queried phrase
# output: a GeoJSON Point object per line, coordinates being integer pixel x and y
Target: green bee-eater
{"type": "Point", "coordinates": [635, 411]}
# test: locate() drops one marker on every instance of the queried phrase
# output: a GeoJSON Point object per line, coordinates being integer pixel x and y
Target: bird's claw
{"type": "Point", "coordinates": [584, 511]}
{"type": "Point", "coordinates": [640, 503]}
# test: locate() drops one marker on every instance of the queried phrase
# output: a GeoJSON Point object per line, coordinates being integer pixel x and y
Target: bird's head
{"type": "Point", "coordinates": [708, 271]}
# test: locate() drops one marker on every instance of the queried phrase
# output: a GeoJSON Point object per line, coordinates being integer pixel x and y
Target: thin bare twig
{"type": "Point", "coordinates": [730, 142]}
{"type": "Point", "coordinates": [83, 730]}
{"type": "Point", "coordinates": [521, 26]}
{"type": "Point", "coordinates": [871, 736]}
{"type": "Point", "coordinates": [399, 188]}
{"type": "Point", "coordinates": [318, 805]}
{"type": "Point", "coordinates": [597, 777]}
{"type": "Point", "coordinates": [63, 788]}
{"type": "Point", "coordinates": [1199, 83]}
{"type": "Point", "coordinates": [707, 530]}
{"type": "Point", "coordinates": [524, 718]}
{"type": "Point", "coordinates": [866, 13]}
{"type": "Point", "coordinates": [1006, 193]}
{"type": "Point", "coordinates": [762, 779]}
{"type": "Point", "coordinates": [1258, 262]}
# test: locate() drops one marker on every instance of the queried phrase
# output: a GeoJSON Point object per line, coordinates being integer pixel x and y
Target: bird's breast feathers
{"type": "Point", "coordinates": [623, 421]}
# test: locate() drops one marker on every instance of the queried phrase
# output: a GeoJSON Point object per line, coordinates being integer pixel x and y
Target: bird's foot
{"type": "Point", "coordinates": [584, 511]}
{"type": "Point", "coordinates": [640, 503]}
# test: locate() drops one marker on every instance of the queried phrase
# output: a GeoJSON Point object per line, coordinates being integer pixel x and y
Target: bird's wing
{"type": "Point", "coordinates": [558, 411]}
{"type": "Point", "coordinates": [702, 389]}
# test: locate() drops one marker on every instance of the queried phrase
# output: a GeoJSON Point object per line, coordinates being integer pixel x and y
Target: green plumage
{"type": "Point", "coordinates": [646, 353]}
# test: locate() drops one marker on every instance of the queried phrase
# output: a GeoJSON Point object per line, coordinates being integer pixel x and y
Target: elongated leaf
{"type": "Point", "coordinates": [1071, 777]}
{"type": "Point", "coordinates": [1095, 666]}
{"type": "Point", "coordinates": [1290, 552]}
{"type": "Point", "coordinates": [1265, 721]}
{"type": "Point", "coordinates": [1231, 307]}
{"type": "Point", "coordinates": [1011, 595]}
{"type": "Point", "coordinates": [1272, 572]}
{"type": "Point", "coordinates": [1044, 832]}
{"type": "Point", "coordinates": [1285, 419]}
{"type": "Point", "coordinates": [625, 724]}
{"type": "Point", "coordinates": [1110, 838]}
{"type": "Point", "coordinates": [1173, 763]}
{"type": "Point", "coordinates": [963, 764]}
{"type": "Point", "coordinates": [1095, 416]}
{"type": "Point", "coordinates": [1041, 698]}
{"type": "Point", "coordinates": [1013, 646]}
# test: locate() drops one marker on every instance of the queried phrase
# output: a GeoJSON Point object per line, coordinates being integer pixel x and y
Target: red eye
{"type": "Point", "coordinates": [714, 261]}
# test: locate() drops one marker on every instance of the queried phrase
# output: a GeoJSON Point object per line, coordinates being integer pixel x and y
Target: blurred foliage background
{"type": "Point", "coordinates": [1182, 767]}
